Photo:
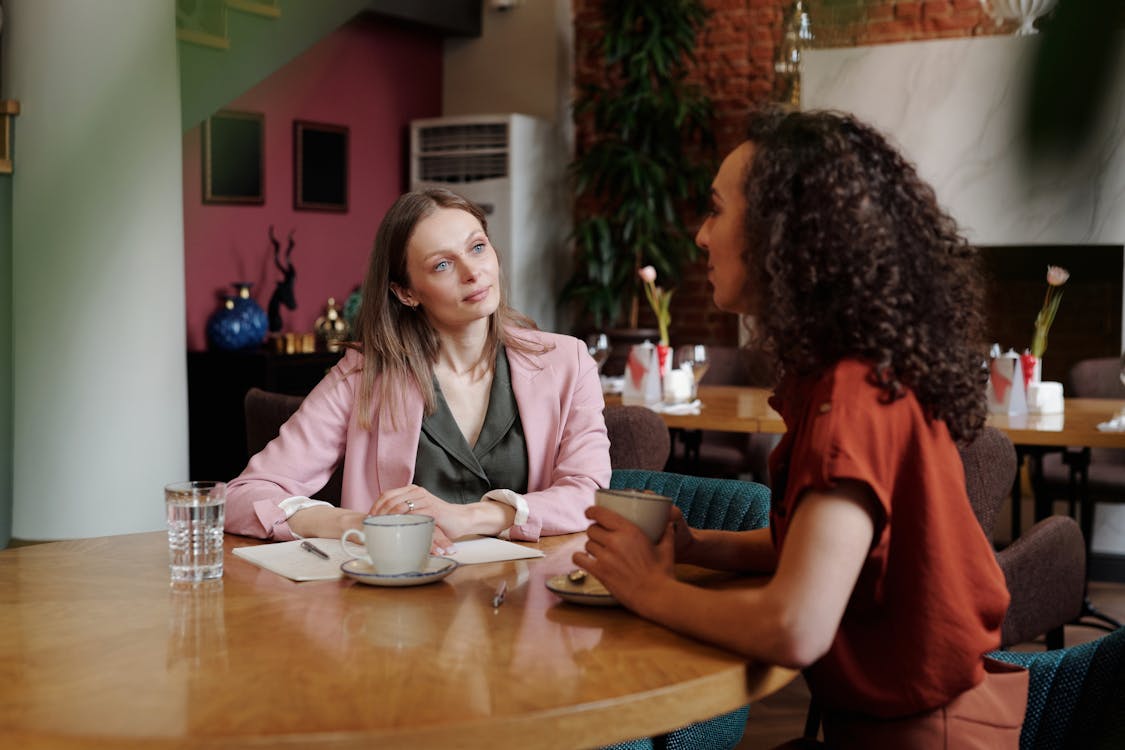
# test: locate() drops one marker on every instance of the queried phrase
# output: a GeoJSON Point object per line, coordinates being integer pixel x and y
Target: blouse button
{"type": "Point", "coordinates": [826, 407]}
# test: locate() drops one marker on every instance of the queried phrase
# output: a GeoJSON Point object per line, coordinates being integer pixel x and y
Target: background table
{"type": "Point", "coordinates": [99, 650]}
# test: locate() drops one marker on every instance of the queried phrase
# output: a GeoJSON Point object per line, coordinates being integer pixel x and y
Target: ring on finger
{"type": "Point", "coordinates": [409, 506]}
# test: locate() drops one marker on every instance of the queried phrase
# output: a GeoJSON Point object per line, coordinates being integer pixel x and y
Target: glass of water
{"type": "Point", "coordinates": [598, 346]}
{"type": "Point", "coordinates": [195, 512]}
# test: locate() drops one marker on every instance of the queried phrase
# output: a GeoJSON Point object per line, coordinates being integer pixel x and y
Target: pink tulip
{"type": "Point", "coordinates": [647, 274]}
{"type": "Point", "coordinates": [1057, 275]}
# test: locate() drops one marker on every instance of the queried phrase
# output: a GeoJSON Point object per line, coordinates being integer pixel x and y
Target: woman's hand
{"type": "Point", "coordinates": [620, 556]}
{"type": "Point", "coordinates": [450, 521]}
{"type": "Point", "coordinates": [325, 522]}
{"type": "Point", "coordinates": [683, 536]}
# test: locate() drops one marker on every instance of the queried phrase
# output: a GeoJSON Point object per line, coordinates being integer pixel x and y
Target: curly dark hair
{"type": "Point", "coordinates": [860, 261]}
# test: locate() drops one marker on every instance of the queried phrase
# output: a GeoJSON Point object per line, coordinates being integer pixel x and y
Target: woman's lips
{"type": "Point", "coordinates": [478, 295]}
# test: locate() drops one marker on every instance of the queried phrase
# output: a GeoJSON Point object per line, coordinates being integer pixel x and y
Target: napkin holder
{"type": "Point", "coordinates": [1006, 391]}
{"type": "Point", "coordinates": [642, 376]}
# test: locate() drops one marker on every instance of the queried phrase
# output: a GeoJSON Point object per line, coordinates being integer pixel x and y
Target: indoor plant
{"type": "Point", "coordinates": [646, 164]}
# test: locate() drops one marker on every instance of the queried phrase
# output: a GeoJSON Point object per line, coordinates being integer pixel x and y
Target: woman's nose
{"type": "Point", "coordinates": [701, 235]}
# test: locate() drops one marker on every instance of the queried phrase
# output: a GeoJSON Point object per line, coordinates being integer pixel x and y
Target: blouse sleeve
{"type": "Point", "coordinates": [298, 462]}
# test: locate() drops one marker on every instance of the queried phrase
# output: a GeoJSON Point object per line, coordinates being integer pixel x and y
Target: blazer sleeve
{"type": "Point", "coordinates": [581, 463]}
{"type": "Point", "coordinates": [299, 461]}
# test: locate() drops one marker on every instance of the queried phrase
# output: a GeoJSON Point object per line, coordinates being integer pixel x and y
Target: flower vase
{"type": "Point", "coordinates": [1032, 367]}
{"type": "Point", "coordinates": [663, 354]}
{"type": "Point", "coordinates": [240, 323]}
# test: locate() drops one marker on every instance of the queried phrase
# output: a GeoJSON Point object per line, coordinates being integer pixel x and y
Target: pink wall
{"type": "Point", "coordinates": [369, 76]}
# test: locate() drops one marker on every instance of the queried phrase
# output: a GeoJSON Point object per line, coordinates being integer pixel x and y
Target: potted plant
{"type": "Point", "coordinates": [645, 167]}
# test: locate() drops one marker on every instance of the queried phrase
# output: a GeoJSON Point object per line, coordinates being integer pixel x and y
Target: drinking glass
{"type": "Point", "coordinates": [195, 529]}
{"type": "Point", "coordinates": [694, 357]}
{"type": "Point", "coordinates": [1123, 367]}
{"type": "Point", "coordinates": [598, 346]}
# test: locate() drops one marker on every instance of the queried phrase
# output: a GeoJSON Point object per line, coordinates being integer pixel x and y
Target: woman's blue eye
{"type": "Point", "coordinates": [478, 248]}
{"type": "Point", "coordinates": [441, 266]}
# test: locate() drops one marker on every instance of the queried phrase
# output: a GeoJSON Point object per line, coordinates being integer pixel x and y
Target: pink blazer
{"type": "Point", "coordinates": [560, 403]}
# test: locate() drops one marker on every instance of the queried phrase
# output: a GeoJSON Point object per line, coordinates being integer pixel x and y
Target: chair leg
{"type": "Point", "coordinates": [1055, 639]}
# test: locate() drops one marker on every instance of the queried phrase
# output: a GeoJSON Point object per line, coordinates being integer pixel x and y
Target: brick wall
{"type": "Point", "coordinates": [734, 62]}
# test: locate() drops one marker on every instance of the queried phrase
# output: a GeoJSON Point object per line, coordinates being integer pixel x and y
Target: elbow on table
{"type": "Point", "coordinates": [799, 641]}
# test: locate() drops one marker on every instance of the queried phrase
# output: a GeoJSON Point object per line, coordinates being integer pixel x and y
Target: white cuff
{"type": "Point", "coordinates": [514, 499]}
{"type": "Point", "coordinates": [291, 505]}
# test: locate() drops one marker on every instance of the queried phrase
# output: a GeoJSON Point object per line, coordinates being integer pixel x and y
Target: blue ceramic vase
{"type": "Point", "coordinates": [240, 323]}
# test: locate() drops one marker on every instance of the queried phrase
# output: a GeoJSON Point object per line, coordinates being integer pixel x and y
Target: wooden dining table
{"type": "Point", "coordinates": [99, 650]}
{"type": "Point", "coordinates": [730, 408]}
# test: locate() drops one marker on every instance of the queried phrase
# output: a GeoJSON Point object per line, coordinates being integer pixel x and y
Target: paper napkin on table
{"type": "Point", "coordinates": [485, 549]}
{"type": "Point", "coordinates": [692, 407]}
{"type": "Point", "coordinates": [289, 560]}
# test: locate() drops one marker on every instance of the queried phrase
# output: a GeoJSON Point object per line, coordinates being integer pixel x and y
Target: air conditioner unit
{"type": "Point", "coordinates": [511, 166]}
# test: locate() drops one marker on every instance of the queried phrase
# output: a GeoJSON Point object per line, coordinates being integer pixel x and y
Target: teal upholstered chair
{"type": "Point", "coordinates": [1076, 696]}
{"type": "Point", "coordinates": [706, 503]}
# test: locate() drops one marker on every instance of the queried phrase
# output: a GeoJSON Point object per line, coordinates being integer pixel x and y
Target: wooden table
{"type": "Point", "coordinates": [730, 408]}
{"type": "Point", "coordinates": [100, 651]}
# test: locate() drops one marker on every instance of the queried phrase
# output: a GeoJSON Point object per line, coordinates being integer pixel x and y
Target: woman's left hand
{"type": "Point", "coordinates": [620, 556]}
{"type": "Point", "coordinates": [449, 519]}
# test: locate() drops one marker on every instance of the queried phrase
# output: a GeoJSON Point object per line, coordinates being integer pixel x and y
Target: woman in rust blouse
{"type": "Point", "coordinates": [884, 587]}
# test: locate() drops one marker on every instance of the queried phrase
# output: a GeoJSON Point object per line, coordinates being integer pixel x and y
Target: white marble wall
{"type": "Point", "coordinates": [954, 108]}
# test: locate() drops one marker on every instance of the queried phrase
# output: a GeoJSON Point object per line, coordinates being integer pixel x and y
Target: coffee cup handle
{"type": "Point", "coordinates": [344, 544]}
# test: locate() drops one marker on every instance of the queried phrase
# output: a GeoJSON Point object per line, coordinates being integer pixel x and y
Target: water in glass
{"type": "Point", "coordinates": [598, 346]}
{"type": "Point", "coordinates": [195, 512]}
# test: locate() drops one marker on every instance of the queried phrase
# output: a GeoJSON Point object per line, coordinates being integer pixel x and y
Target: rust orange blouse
{"type": "Point", "coordinates": [930, 597]}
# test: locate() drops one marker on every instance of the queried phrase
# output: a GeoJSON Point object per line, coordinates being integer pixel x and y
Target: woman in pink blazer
{"type": "Point", "coordinates": [433, 311]}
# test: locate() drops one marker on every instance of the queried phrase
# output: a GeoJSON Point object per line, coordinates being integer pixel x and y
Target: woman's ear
{"type": "Point", "coordinates": [404, 295]}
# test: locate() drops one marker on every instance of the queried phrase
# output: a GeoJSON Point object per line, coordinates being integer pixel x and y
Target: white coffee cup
{"type": "Point", "coordinates": [395, 544]}
{"type": "Point", "coordinates": [646, 509]}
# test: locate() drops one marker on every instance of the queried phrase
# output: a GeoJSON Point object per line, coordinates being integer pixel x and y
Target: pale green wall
{"type": "Point", "coordinates": [98, 334]}
{"type": "Point", "coordinates": [5, 360]}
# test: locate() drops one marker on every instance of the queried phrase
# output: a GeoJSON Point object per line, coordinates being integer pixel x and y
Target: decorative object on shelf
{"type": "Point", "coordinates": [644, 158]}
{"type": "Point", "coordinates": [320, 166]}
{"type": "Point", "coordinates": [659, 300]}
{"type": "Point", "coordinates": [351, 307]}
{"type": "Point", "coordinates": [331, 328]}
{"type": "Point", "coordinates": [9, 108]}
{"type": "Point", "coordinates": [1032, 358]}
{"type": "Point", "coordinates": [1023, 11]}
{"type": "Point", "coordinates": [283, 292]}
{"type": "Point", "coordinates": [234, 158]}
{"type": "Point", "coordinates": [239, 324]}
{"type": "Point", "coordinates": [796, 36]}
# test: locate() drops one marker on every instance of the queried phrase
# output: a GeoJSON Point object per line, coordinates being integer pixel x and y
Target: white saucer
{"type": "Point", "coordinates": [589, 591]}
{"type": "Point", "coordinates": [436, 569]}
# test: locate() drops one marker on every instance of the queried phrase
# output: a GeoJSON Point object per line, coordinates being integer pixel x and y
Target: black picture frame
{"type": "Point", "coordinates": [320, 166]}
{"type": "Point", "coordinates": [234, 158]}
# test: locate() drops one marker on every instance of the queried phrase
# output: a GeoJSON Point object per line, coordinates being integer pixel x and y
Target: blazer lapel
{"type": "Point", "coordinates": [533, 384]}
{"type": "Point", "coordinates": [396, 446]}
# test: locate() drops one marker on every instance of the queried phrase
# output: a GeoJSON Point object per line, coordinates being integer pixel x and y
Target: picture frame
{"type": "Point", "coordinates": [320, 166]}
{"type": "Point", "coordinates": [234, 158]}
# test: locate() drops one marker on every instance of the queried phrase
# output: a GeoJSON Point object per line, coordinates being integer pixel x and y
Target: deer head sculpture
{"type": "Point", "coordinates": [283, 292]}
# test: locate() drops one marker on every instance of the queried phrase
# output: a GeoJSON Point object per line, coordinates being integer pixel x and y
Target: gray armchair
{"type": "Point", "coordinates": [1045, 567]}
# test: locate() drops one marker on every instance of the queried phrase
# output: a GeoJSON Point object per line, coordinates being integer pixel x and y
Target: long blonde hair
{"type": "Point", "coordinates": [397, 342]}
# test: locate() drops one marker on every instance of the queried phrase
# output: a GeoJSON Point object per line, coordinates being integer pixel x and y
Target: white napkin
{"type": "Point", "coordinates": [485, 549]}
{"type": "Point", "coordinates": [1117, 424]}
{"type": "Point", "coordinates": [692, 407]}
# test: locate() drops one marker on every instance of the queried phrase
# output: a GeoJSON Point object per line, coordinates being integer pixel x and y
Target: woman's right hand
{"type": "Point", "coordinates": [684, 539]}
{"type": "Point", "coordinates": [325, 522]}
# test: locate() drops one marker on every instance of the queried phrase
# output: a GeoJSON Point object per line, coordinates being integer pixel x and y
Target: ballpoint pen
{"type": "Point", "coordinates": [498, 597]}
{"type": "Point", "coordinates": [310, 547]}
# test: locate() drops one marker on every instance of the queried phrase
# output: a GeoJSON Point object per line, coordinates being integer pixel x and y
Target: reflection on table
{"type": "Point", "coordinates": [102, 651]}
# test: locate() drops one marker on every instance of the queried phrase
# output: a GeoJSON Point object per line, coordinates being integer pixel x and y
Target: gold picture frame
{"type": "Point", "coordinates": [234, 158]}
{"type": "Point", "coordinates": [320, 166]}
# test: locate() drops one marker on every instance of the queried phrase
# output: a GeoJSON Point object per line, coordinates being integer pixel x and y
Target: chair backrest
{"type": "Point", "coordinates": [1097, 378]}
{"type": "Point", "coordinates": [990, 470]}
{"type": "Point", "coordinates": [638, 438]}
{"type": "Point", "coordinates": [1076, 695]}
{"type": "Point", "coordinates": [266, 412]}
{"type": "Point", "coordinates": [706, 503]}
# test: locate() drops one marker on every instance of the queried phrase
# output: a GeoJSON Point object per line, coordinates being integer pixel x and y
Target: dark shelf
{"type": "Point", "coordinates": [217, 384]}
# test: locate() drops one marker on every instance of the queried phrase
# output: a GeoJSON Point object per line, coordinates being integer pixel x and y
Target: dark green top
{"type": "Point", "coordinates": [451, 470]}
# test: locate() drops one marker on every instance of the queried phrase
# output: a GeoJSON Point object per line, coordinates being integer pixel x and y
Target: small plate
{"type": "Point", "coordinates": [589, 591]}
{"type": "Point", "coordinates": [436, 569]}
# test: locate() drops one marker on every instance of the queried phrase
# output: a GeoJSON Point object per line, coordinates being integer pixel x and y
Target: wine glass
{"type": "Point", "coordinates": [694, 357]}
{"type": "Point", "coordinates": [598, 346]}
